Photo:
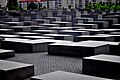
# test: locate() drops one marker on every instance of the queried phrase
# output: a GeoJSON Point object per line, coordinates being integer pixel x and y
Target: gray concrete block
{"type": "Point", "coordinates": [61, 75]}
{"type": "Point", "coordinates": [15, 71]}
{"type": "Point", "coordinates": [6, 53]}
{"type": "Point", "coordinates": [102, 66]}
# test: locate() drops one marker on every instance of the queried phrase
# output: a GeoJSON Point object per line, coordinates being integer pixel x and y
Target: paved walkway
{"type": "Point", "coordinates": [44, 63]}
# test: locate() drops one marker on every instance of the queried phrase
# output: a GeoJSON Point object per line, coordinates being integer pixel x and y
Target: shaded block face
{"type": "Point", "coordinates": [15, 71]}
{"type": "Point", "coordinates": [69, 51]}
{"type": "Point", "coordinates": [60, 36]}
{"type": "Point", "coordinates": [102, 65]}
{"type": "Point", "coordinates": [74, 33]}
{"type": "Point", "coordinates": [92, 31]}
{"type": "Point", "coordinates": [6, 53]}
{"type": "Point", "coordinates": [0, 41]}
{"type": "Point", "coordinates": [28, 23]}
{"type": "Point", "coordinates": [61, 75]}
{"type": "Point", "coordinates": [100, 24]}
{"type": "Point", "coordinates": [115, 26]}
{"type": "Point", "coordinates": [38, 27]}
{"type": "Point", "coordinates": [45, 31]}
{"type": "Point", "coordinates": [94, 37]}
{"type": "Point", "coordinates": [25, 18]}
{"type": "Point", "coordinates": [21, 28]}
{"type": "Point", "coordinates": [9, 19]}
{"type": "Point", "coordinates": [14, 23]}
{"type": "Point", "coordinates": [49, 25]}
{"type": "Point", "coordinates": [6, 31]}
{"type": "Point", "coordinates": [8, 36]}
{"type": "Point", "coordinates": [109, 20]}
{"type": "Point", "coordinates": [87, 26]}
{"type": "Point", "coordinates": [27, 34]}
{"type": "Point", "coordinates": [41, 21]}
{"type": "Point", "coordinates": [4, 26]}
{"type": "Point", "coordinates": [114, 16]}
{"type": "Point", "coordinates": [63, 24]}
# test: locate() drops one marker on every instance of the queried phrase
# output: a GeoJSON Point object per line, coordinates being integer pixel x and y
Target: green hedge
{"type": "Point", "coordinates": [99, 6]}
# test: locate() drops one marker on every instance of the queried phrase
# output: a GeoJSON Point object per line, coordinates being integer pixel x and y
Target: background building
{"type": "Point", "coordinates": [73, 3]}
{"type": "Point", "coordinates": [57, 4]}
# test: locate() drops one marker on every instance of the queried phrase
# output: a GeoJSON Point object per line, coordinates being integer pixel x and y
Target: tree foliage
{"type": "Point", "coordinates": [32, 5]}
{"type": "Point", "coordinates": [103, 6]}
{"type": "Point", "coordinates": [12, 5]}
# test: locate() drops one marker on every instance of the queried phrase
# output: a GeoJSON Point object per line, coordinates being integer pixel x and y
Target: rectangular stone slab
{"type": "Point", "coordinates": [49, 25]}
{"type": "Point", "coordinates": [94, 37]}
{"type": "Point", "coordinates": [74, 32]}
{"type": "Point", "coordinates": [14, 23]}
{"type": "Point", "coordinates": [35, 27]}
{"type": "Point", "coordinates": [62, 75]}
{"type": "Point", "coordinates": [113, 16]}
{"type": "Point", "coordinates": [101, 24]}
{"type": "Point", "coordinates": [87, 26]}
{"type": "Point", "coordinates": [23, 46]}
{"type": "Point", "coordinates": [62, 24]}
{"type": "Point", "coordinates": [114, 47]}
{"type": "Point", "coordinates": [37, 37]}
{"type": "Point", "coordinates": [60, 36]}
{"type": "Point", "coordinates": [28, 23]}
{"type": "Point", "coordinates": [79, 19]}
{"type": "Point", "coordinates": [9, 19]}
{"type": "Point", "coordinates": [1, 41]}
{"type": "Point", "coordinates": [109, 20]}
{"type": "Point", "coordinates": [102, 66]}
{"type": "Point", "coordinates": [9, 36]}
{"type": "Point", "coordinates": [45, 31]}
{"type": "Point", "coordinates": [80, 49]}
{"type": "Point", "coordinates": [20, 28]}
{"type": "Point", "coordinates": [27, 33]}
{"type": "Point", "coordinates": [15, 71]}
{"type": "Point", "coordinates": [115, 26]}
{"type": "Point", "coordinates": [39, 21]}
{"type": "Point", "coordinates": [92, 31]}
{"type": "Point", "coordinates": [108, 31]}
{"type": "Point", "coordinates": [4, 26]}
{"type": "Point", "coordinates": [24, 18]}
{"type": "Point", "coordinates": [6, 53]}
{"type": "Point", "coordinates": [6, 31]}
